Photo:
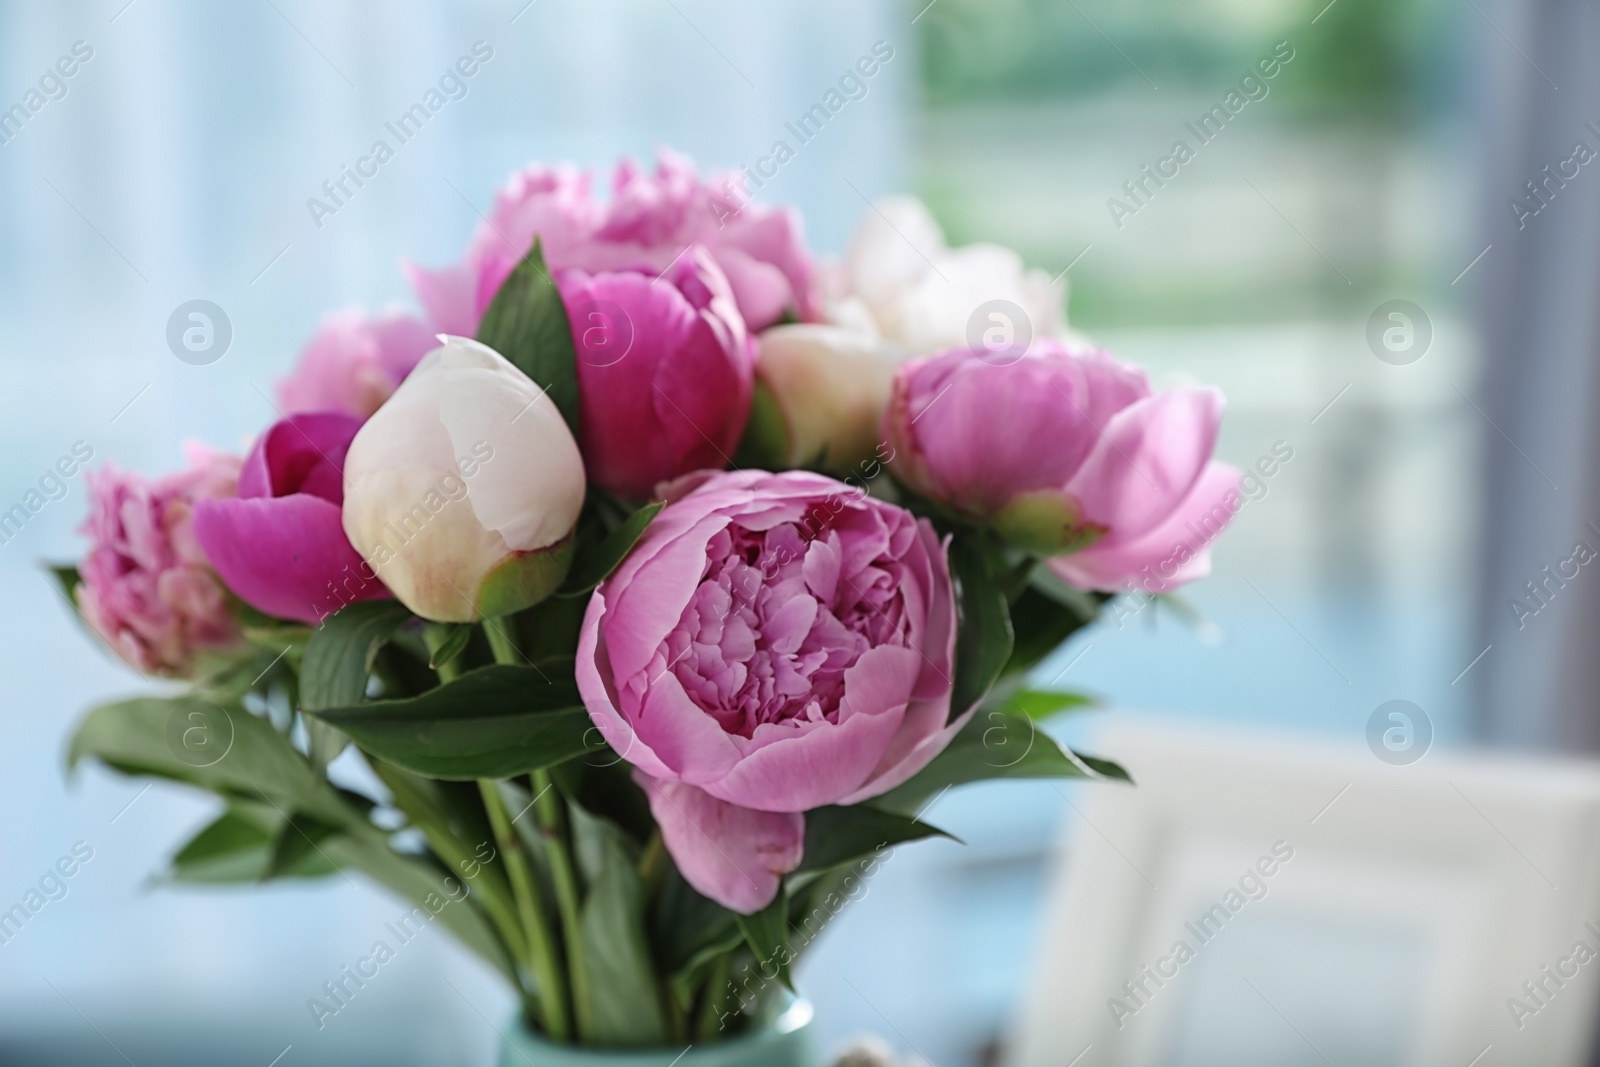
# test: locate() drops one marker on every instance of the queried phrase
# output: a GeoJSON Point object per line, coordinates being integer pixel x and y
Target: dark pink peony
{"type": "Point", "coordinates": [280, 544]}
{"type": "Point", "coordinates": [665, 372]}
{"type": "Point", "coordinates": [775, 642]}
{"type": "Point", "coordinates": [146, 587]}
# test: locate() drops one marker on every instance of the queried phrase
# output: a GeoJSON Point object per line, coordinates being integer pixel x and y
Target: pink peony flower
{"type": "Point", "coordinates": [775, 642]}
{"type": "Point", "coordinates": [1060, 449]}
{"type": "Point", "coordinates": [280, 544]}
{"type": "Point", "coordinates": [647, 225]}
{"type": "Point", "coordinates": [664, 372]}
{"type": "Point", "coordinates": [146, 586]}
{"type": "Point", "coordinates": [354, 362]}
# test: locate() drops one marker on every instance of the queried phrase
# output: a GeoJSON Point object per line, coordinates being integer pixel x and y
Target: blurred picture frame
{"type": "Point", "coordinates": [1259, 903]}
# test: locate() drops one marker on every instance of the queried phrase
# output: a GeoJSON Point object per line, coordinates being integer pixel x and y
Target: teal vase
{"type": "Point", "coordinates": [784, 1042]}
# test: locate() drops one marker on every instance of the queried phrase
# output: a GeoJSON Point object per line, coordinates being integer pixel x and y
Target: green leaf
{"type": "Point", "coordinates": [813, 904]}
{"type": "Point", "coordinates": [984, 639]}
{"type": "Point", "coordinates": [1043, 623]}
{"type": "Point", "coordinates": [235, 849]}
{"type": "Point", "coordinates": [340, 653]}
{"type": "Point", "coordinates": [1084, 604]}
{"type": "Point", "coordinates": [67, 577]}
{"type": "Point", "coordinates": [324, 743]}
{"type": "Point", "coordinates": [526, 322]}
{"type": "Point", "coordinates": [765, 444]}
{"type": "Point", "coordinates": [221, 748]}
{"type": "Point", "coordinates": [260, 765]}
{"type": "Point", "coordinates": [492, 722]}
{"type": "Point", "coordinates": [297, 843]}
{"type": "Point", "coordinates": [1042, 703]}
{"type": "Point", "coordinates": [446, 641]}
{"type": "Point", "coordinates": [594, 564]}
{"type": "Point", "coordinates": [836, 836]}
{"type": "Point", "coordinates": [627, 1008]}
{"type": "Point", "coordinates": [449, 898]}
{"type": "Point", "coordinates": [767, 934]}
{"type": "Point", "coordinates": [996, 744]}
{"type": "Point", "coordinates": [690, 928]}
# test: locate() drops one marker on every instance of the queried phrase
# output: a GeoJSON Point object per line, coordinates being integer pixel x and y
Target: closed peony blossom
{"type": "Point", "coordinates": [776, 642]}
{"type": "Point", "coordinates": [279, 544]}
{"type": "Point", "coordinates": [147, 587]}
{"type": "Point", "coordinates": [354, 362]}
{"type": "Point", "coordinates": [900, 279]}
{"type": "Point", "coordinates": [651, 218]}
{"type": "Point", "coordinates": [664, 372]}
{"type": "Point", "coordinates": [1066, 453]}
{"type": "Point", "coordinates": [830, 386]}
{"type": "Point", "coordinates": [464, 488]}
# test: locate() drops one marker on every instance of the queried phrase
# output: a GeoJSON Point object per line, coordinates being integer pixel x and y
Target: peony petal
{"type": "Point", "coordinates": [734, 855]}
{"type": "Point", "coordinates": [300, 454]}
{"type": "Point", "coordinates": [1175, 552]}
{"type": "Point", "coordinates": [532, 497]}
{"type": "Point", "coordinates": [796, 773]}
{"type": "Point", "coordinates": [286, 556]}
{"type": "Point", "coordinates": [601, 700]}
{"type": "Point", "coordinates": [1148, 459]}
{"type": "Point", "coordinates": [448, 294]}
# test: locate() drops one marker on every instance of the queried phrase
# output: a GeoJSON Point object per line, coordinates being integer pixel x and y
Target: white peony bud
{"type": "Point", "coordinates": [463, 489]}
{"type": "Point", "coordinates": [831, 386]}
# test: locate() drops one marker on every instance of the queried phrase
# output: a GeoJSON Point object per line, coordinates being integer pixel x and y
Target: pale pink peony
{"type": "Point", "coordinates": [146, 586]}
{"type": "Point", "coordinates": [354, 362]}
{"type": "Point", "coordinates": [650, 220]}
{"type": "Point", "coordinates": [776, 642]}
{"type": "Point", "coordinates": [1062, 449]}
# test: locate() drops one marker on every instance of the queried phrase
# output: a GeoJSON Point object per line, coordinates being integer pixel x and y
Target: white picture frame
{"type": "Point", "coordinates": [1415, 903]}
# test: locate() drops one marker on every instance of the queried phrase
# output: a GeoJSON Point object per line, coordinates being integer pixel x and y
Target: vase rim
{"type": "Point", "coordinates": [796, 1016]}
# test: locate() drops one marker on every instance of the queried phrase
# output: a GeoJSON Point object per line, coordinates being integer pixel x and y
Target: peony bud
{"type": "Point", "coordinates": [463, 489]}
{"type": "Point", "coordinates": [664, 371]}
{"type": "Point", "coordinates": [831, 386]}
{"type": "Point", "coordinates": [1067, 454]}
{"type": "Point", "coordinates": [279, 545]}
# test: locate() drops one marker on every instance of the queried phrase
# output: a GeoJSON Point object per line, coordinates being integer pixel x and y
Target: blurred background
{"type": "Point", "coordinates": [1377, 562]}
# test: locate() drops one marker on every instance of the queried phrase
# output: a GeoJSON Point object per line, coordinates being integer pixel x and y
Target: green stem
{"type": "Point", "coordinates": [553, 825]}
{"type": "Point", "coordinates": [716, 995]}
{"type": "Point", "coordinates": [677, 1014]}
{"type": "Point", "coordinates": [653, 865]}
{"type": "Point", "coordinates": [542, 944]}
{"type": "Point", "coordinates": [489, 889]}
{"type": "Point", "coordinates": [503, 642]}
{"type": "Point", "coordinates": [541, 956]}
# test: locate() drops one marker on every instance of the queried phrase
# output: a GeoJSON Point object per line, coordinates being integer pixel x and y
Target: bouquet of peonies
{"type": "Point", "coordinates": [623, 609]}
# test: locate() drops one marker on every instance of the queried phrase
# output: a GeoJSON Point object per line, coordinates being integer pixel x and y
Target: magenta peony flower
{"type": "Point", "coordinates": [650, 220]}
{"type": "Point", "coordinates": [776, 642]}
{"type": "Point", "coordinates": [664, 372]}
{"type": "Point", "coordinates": [354, 362]}
{"type": "Point", "coordinates": [146, 586]}
{"type": "Point", "coordinates": [280, 544]}
{"type": "Point", "coordinates": [1061, 449]}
